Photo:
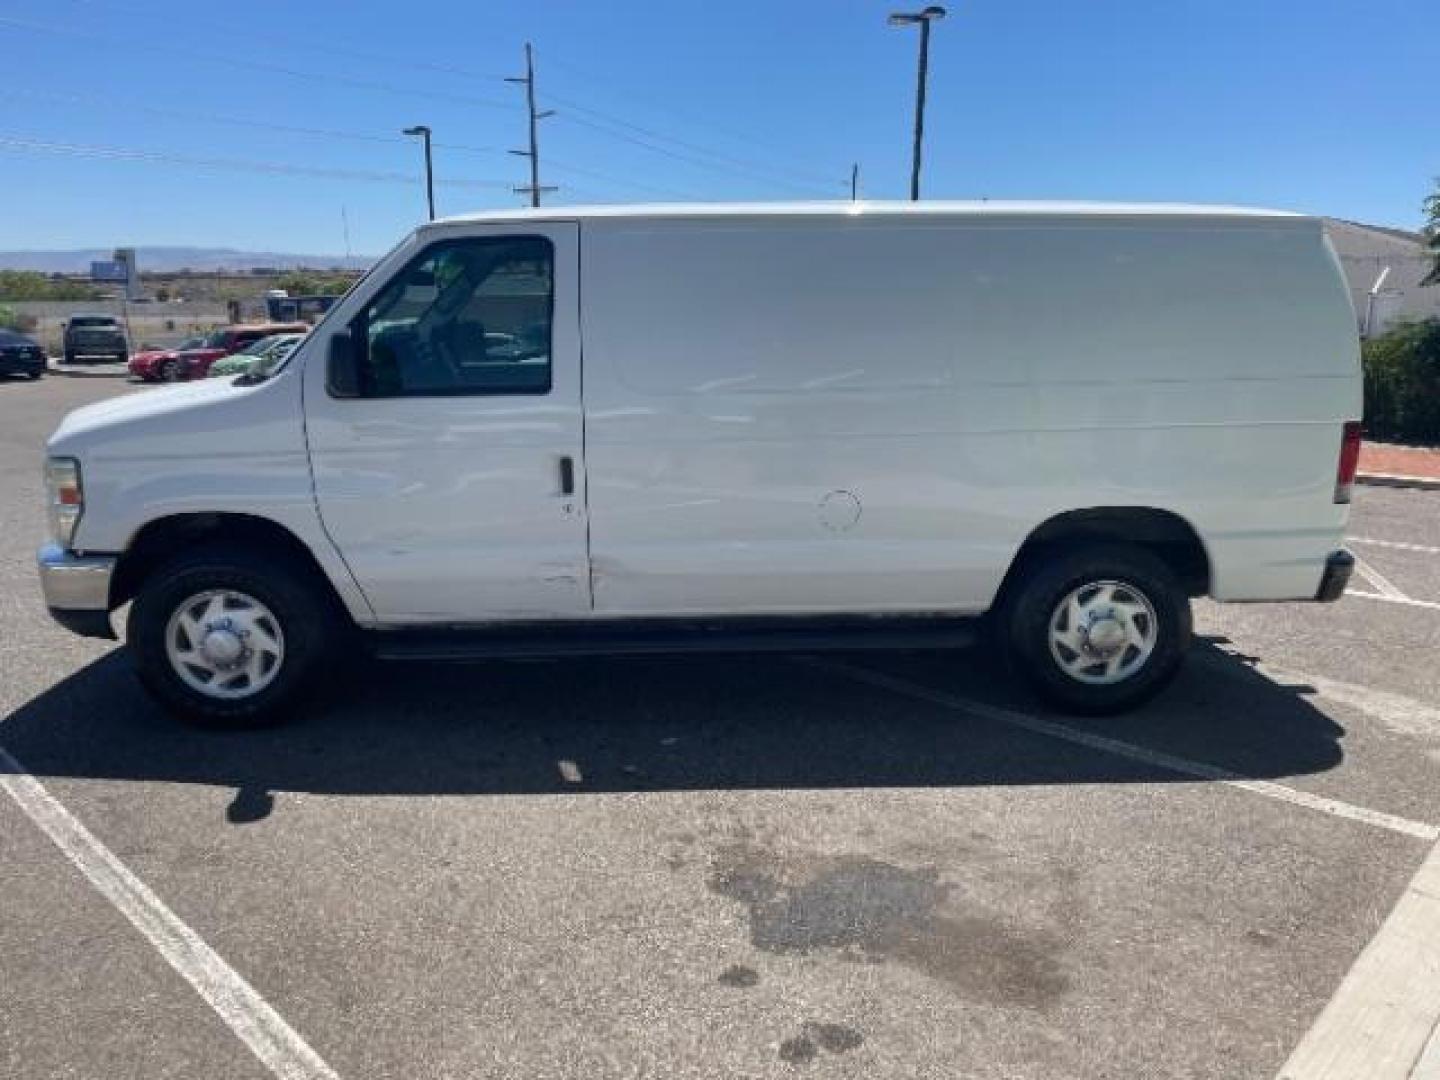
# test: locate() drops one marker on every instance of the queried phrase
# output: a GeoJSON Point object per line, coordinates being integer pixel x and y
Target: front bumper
{"type": "Point", "coordinates": [77, 589]}
{"type": "Point", "coordinates": [1339, 565]}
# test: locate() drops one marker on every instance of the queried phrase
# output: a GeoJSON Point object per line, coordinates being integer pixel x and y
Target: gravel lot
{"type": "Point", "coordinates": [859, 866]}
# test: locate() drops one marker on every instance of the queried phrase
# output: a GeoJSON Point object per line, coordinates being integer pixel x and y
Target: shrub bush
{"type": "Point", "coordinates": [1402, 383]}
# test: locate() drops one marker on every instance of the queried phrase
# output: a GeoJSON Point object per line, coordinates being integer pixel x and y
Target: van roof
{"type": "Point", "coordinates": [871, 208]}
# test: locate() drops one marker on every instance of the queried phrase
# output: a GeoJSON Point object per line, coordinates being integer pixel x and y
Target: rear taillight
{"type": "Point", "coordinates": [65, 497]}
{"type": "Point", "coordinates": [1349, 461]}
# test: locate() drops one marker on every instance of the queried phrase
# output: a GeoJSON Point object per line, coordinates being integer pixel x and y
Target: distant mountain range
{"type": "Point", "coordinates": [165, 259]}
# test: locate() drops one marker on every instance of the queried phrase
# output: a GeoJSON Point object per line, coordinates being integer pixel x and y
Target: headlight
{"type": "Point", "coordinates": [64, 497]}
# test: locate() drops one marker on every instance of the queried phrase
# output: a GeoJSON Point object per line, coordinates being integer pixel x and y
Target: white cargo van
{"type": "Point", "coordinates": [739, 427]}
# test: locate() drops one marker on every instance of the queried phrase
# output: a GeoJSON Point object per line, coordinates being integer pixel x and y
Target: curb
{"type": "Point", "coordinates": [71, 371]}
{"type": "Point", "coordinates": [1395, 480]}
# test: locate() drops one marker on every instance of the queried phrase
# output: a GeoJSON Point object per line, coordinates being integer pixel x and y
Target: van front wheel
{"type": "Point", "coordinates": [227, 638]}
{"type": "Point", "coordinates": [1099, 629]}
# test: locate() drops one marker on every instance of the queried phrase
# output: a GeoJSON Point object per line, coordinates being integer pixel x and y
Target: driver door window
{"type": "Point", "coordinates": [466, 317]}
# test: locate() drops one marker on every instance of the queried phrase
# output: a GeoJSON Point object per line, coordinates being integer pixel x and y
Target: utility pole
{"type": "Point", "coordinates": [534, 189]}
{"type": "Point", "coordinates": [923, 19]}
{"type": "Point", "coordinates": [424, 133]}
{"type": "Point", "coordinates": [854, 181]}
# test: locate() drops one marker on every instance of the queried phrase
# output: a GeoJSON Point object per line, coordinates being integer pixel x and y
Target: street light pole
{"type": "Point", "coordinates": [924, 19]}
{"type": "Point", "coordinates": [424, 133]}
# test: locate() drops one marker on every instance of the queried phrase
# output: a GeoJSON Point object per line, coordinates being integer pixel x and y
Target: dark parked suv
{"type": "Point", "coordinates": [20, 356]}
{"type": "Point", "coordinates": [90, 336]}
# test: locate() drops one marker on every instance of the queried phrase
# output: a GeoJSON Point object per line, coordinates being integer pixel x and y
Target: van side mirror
{"type": "Point", "coordinates": [342, 365]}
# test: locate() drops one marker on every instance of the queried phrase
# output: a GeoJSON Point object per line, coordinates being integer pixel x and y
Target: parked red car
{"type": "Point", "coordinates": [154, 360]}
{"type": "Point", "coordinates": [177, 364]}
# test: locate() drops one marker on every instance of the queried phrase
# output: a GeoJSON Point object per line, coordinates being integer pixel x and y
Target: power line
{"type": "Point", "coordinates": [309, 44]}
{"type": "Point", "coordinates": [257, 65]}
{"type": "Point", "coordinates": [390, 60]}
{"type": "Point", "coordinates": [237, 121]}
{"type": "Point", "coordinates": [305, 43]}
{"type": "Point", "coordinates": [690, 118]}
{"type": "Point", "coordinates": [605, 123]}
{"type": "Point", "coordinates": [650, 133]}
{"type": "Point", "coordinates": [677, 155]}
{"type": "Point", "coordinates": [26, 144]}
{"type": "Point", "coordinates": [638, 185]}
{"type": "Point", "coordinates": [322, 133]}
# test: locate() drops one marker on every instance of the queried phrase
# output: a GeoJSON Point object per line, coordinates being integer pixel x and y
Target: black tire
{"type": "Point", "coordinates": [1025, 626]}
{"type": "Point", "coordinates": [306, 617]}
{"type": "Point", "coordinates": [70, 357]}
{"type": "Point", "coordinates": [35, 375]}
{"type": "Point", "coordinates": [169, 371]}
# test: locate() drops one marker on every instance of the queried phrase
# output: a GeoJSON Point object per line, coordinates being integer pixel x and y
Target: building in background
{"type": "Point", "coordinates": [120, 269]}
{"type": "Point", "coordinates": [1384, 268]}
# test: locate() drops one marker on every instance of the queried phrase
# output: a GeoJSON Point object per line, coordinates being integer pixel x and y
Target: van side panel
{"type": "Point", "coordinates": [852, 414]}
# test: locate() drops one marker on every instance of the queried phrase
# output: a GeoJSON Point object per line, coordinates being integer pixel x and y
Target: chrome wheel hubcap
{"type": "Point", "coordinates": [1103, 632]}
{"type": "Point", "coordinates": [225, 644]}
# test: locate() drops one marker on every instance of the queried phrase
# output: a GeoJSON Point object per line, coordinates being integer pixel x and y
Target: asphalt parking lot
{"type": "Point", "coordinates": [859, 866]}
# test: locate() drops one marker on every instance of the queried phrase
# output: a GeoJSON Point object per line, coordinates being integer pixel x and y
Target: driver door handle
{"type": "Point", "coordinates": [567, 475]}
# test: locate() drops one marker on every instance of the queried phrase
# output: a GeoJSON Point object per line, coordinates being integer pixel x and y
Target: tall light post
{"type": "Point", "coordinates": [923, 19]}
{"type": "Point", "coordinates": [424, 133]}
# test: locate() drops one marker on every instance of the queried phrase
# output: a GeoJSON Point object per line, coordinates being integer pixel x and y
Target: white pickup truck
{"type": "Point", "coordinates": [742, 427]}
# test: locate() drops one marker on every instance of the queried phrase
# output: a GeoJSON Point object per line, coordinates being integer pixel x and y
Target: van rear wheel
{"type": "Point", "coordinates": [1098, 629]}
{"type": "Point", "coordinates": [228, 638]}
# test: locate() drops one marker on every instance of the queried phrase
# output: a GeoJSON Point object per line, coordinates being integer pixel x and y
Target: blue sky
{"type": "Point", "coordinates": [109, 111]}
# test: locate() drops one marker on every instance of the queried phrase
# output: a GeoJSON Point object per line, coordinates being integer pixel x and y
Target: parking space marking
{"type": "Point", "coordinates": [1423, 549]}
{"type": "Point", "coordinates": [1380, 581]}
{"type": "Point", "coordinates": [1184, 766]}
{"type": "Point", "coordinates": [278, 1046]}
{"type": "Point", "coordinates": [1430, 605]}
{"type": "Point", "coordinates": [1397, 712]}
{"type": "Point", "coordinates": [1429, 1065]}
{"type": "Point", "coordinates": [1385, 1012]}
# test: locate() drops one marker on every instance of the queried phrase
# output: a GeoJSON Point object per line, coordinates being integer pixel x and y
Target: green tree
{"type": "Point", "coordinates": [1402, 383]}
{"type": "Point", "coordinates": [8, 319]}
{"type": "Point", "coordinates": [1431, 206]}
{"type": "Point", "coordinates": [306, 283]}
{"type": "Point", "coordinates": [29, 285]}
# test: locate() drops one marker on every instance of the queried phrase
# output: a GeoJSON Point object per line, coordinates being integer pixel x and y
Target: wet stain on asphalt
{"type": "Point", "coordinates": [868, 910]}
{"type": "Point", "coordinates": [837, 1038]}
{"type": "Point", "coordinates": [739, 976]}
{"type": "Point", "coordinates": [798, 1051]}
{"type": "Point", "coordinates": [804, 1048]}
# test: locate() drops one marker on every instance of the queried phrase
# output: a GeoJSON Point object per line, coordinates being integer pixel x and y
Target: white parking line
{"type": "Point", "coordinates": [1387, 588]}
{"type": "Point", "coordinates": [1428, 1068]}
{"type": "Point", "coordinates": [1377, 1025]}
{"type": "Point", "coordinates": [1399, 713]}
{"type": "Point", "coordinates": [1427, 604]}
{"type": "Point", "coordinates": [248, 1015]}
{"type": "Point", "coordinates": [1397, 545]}
{"type": "Point", "coordinates": [1184, 766]}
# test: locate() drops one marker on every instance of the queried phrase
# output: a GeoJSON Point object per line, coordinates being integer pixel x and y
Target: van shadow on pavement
{"type": "Point", "coordinates": [671, 724]}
